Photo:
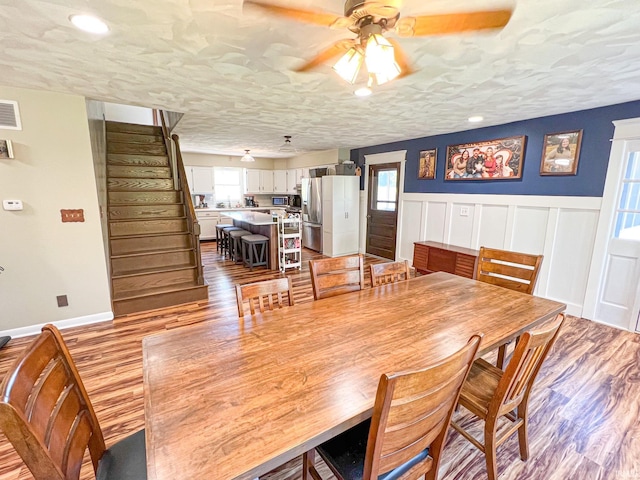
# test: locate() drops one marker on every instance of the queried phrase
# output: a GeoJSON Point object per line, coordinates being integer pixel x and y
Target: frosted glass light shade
{"type": "Point", "coordinates": [349, 65]}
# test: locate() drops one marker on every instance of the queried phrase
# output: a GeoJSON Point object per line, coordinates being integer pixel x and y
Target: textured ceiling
{"type": "Point", "coordinates": [229, 71]}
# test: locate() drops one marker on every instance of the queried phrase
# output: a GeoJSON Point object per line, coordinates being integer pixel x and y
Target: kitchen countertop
{"type": "Point", "coordinates": [252, 218]}
{"type": "Point", "coordinates": [239, 209]}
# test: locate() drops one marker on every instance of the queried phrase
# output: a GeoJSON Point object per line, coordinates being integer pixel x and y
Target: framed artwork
{"type": "Point", "coordinates": [6, 150]}
{"type": "Point", "coordinates": [560, 153]}
{"type": "Point", "coordinates": [499, 159]}
{"type": "Point", "coordinates": [427, 164]}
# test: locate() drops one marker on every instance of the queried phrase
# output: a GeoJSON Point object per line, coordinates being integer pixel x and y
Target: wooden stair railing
{"type": "Point", "coordinates": [180, 182]}
{"type": "Point", "coordinates": [192, 220]}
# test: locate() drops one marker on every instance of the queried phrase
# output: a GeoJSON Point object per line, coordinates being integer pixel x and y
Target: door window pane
{"type": "Point", "coordinates": [628, 212]}
{"type": "Point", "coordinates": [386, 190]}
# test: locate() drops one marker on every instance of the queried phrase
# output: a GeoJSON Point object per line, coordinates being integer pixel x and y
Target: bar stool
{"type": "Point", "coordinates": [255, 250]}
{"type": "Point", "coordinates": [235, 248]}
{"type": "Point", "coordinates": [226, 230]}
{"type": "Point", "coordinates": [220, 236]}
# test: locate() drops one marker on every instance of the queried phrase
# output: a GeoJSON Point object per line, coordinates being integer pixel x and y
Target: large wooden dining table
{"type": "Point", "coordinates": [234, 399]}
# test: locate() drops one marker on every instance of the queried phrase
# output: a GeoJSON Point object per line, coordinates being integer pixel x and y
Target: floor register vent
{"type": "Point", "coordinates": [9, 116]}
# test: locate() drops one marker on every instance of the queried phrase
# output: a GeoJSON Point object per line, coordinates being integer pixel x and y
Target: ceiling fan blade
{"type": "Point", "coordinates": [452, 23]}
{"type": "Point", "coordinates": [401, 58]}
{"type": "Point", "coordinates": [309, 16]}
{"type": "Point", "coordinates": [327, 54]}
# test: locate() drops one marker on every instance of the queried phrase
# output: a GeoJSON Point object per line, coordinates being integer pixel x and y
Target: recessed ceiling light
{"type": "Point", "coordinates": [476, 119]}
{"type": "Point", "coordinates": [363, 92]}
{"type": "Point", "coordinates": [89, 23]}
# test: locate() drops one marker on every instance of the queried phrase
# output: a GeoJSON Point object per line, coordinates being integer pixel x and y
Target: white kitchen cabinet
{"type": "Point", "coordinates": [252, 181]}
{"type": "Point", "coordinates": [200, 179]}
{"type": "Point", "coordinates": [294, 178]}
{"type": "Point", "coordinates": [280, 181]}
{"type": "Point", "coordinates": [208, 221]}
{"type": "Point", "coordinates": [340, 219]}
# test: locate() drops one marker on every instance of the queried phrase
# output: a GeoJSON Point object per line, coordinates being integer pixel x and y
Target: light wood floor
{"type": "Point", "coordinates": [585, 410]}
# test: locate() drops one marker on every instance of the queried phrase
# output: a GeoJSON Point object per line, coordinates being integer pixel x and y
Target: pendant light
{"type": "Point", "coordinates": [287, 147]}
{"type": "Point", "coordinates": [247, 158]}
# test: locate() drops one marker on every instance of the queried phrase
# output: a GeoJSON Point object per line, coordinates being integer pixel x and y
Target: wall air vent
{"type": "Point", "coordinates": [9, 115]}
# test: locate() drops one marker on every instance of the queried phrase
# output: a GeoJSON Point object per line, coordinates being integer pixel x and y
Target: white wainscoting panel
{"type": "Point", "coordinates": [411, 228]}
{"type": "Point", "coordinates": [529, 230]}
{"type": "Point", "coordinates": [561, 228]}
{"type": "Point", "coordinates": [435, 222]}
{"type": "Point", "coordinates": [460, 226]}
{"type": "Point", "coordinates": [493, 226]}
{"type": "Point", "coordinates": [572, 250]}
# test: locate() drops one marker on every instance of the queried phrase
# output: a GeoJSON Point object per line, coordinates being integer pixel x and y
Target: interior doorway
{"type": "Point", "coordinates": [384, 181]}
{"type": "Point", "coordinates": [613, 291]}
{"type": "Point", "coordinates": [382, 209]}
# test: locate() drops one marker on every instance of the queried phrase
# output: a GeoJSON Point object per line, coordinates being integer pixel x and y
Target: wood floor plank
{"type": "Point", "coordinates": [584, 411]}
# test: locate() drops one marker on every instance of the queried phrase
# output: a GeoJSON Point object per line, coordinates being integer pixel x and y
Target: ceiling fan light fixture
{"type": "Point", "coordinates": [247, 158]}
{"type": "Point", "coordinates": [380, 59]}
{"type": "Point", "coordinates": [349, 65]}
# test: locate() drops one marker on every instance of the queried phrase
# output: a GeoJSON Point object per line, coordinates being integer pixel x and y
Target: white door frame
{"type": "Point", "coordinates": [398, 156]}
{"type": "Point", "coordinates": [625, 131]}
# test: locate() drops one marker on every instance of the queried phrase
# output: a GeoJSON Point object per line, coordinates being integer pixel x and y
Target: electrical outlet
{"type": "Point", "coordinates": [464, 211]}
{"type": "Point", "coordinates": [62, 301]}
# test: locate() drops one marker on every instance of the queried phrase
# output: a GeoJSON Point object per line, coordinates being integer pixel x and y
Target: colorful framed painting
{"type": "Point", "coordinates": [427, 164]}
{"type": "Point", "coordinates": [560, 153]}
{"type": "Point", "coordinates": [499, 159]}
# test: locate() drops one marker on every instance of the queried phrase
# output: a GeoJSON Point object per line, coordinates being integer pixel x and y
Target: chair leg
{"type": "Point", "coordinates": [490, 450]}
{"type": "Point", "coordinates": [502, 354]}
{"type": "Point", "coordinates": [308, 466]}
{"type": "Point", "coordinates": [523, 434]}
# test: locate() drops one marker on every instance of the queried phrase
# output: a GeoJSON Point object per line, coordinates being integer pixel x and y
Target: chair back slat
{"type": "Point", "coordinates": [412, 411]}
{"type": "Point", "coordinates": [512, 270]}
{"type": "Point", "coordinates": [336, 276]}
{"type": "Point", "coordinates": [384, 273]}
{"type": "Point", "coordinates": [530, 352]}
{"type": "Point", "coordinates": [261, 295]}
{"type": "Point", "coordinates": [45, 411]}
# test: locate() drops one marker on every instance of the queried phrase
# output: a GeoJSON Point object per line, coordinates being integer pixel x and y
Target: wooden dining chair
{"type": "Point", "coordinates": [490, 393]}
{"type": "Point", "coordinates": [47, 416]}
{"type": "Point", "coordinates": [512, 270]}
{"type": "Point", "coordinates": [335, 276]}
{"type": "Point", "coordinates": [265, 295]}
{"type": "Point", "coordinates": [391, 272]}
{"type": "Point", "coordinates": [406, 433]}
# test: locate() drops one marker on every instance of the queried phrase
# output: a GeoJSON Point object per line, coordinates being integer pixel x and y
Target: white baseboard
{"type": "Point", "coordinates": [61, 324]}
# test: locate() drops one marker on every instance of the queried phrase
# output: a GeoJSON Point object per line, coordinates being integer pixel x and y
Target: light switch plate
{"type": "Point", "coordinates": [12, 204]}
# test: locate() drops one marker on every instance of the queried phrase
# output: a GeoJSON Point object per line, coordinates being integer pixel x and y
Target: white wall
{"type": "Point", "coordinates": [114, 112]}
{"type": "Point", "coordinates": [41, 256]}
{"type": "Point", "coordinates": [210, 160]}
{"type": "Point", "coordinates": [561, 228]}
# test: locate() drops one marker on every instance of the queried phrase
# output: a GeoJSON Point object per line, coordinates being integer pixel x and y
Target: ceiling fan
{"type": "Point", "coordinates": [370, 20]}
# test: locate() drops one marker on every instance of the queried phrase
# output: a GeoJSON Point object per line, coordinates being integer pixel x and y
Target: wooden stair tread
{"type": "Point", "coordinates": [148, 292]}
{"type": "Point", "coordinates": [146, 219]}
{"type": "Point", "coordinates": [151, 252]}
{"type": "Point", "coordinates": [147, 235]}
{"type": "Point", "coordinates": [147, 271]}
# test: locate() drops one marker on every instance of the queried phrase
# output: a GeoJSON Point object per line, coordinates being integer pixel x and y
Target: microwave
{"type": "Point", "coordinates": [280, 201]}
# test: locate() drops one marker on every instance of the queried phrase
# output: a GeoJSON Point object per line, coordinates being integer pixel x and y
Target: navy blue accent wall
{"type": "Point", "coordinates": [597, 129]}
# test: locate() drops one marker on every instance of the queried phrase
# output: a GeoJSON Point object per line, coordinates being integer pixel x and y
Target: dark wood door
{"type": "Point", "coordinates": [382, 209]}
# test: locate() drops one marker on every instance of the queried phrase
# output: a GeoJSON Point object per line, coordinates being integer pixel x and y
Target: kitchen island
{"type": "Point", "coordinates": [260, 224]}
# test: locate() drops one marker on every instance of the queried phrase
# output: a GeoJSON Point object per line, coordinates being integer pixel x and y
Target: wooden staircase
{"type": "Point", "coordinates": [155, 259]}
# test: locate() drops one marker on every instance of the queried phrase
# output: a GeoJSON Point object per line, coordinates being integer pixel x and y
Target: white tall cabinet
{"type": "Point", "coordinates": [340, 222]}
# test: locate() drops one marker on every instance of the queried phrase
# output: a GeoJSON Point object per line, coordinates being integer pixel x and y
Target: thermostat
{"type": "Point", "coordinates": [12, 204]}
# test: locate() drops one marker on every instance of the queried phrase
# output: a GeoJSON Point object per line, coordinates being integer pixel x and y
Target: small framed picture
{"type": "Point", "coordinates": [560, 153]}
{"type": "Point", "coordinates": [427, 164]}
{"type": "Point", "coordinates": [6, 150]}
